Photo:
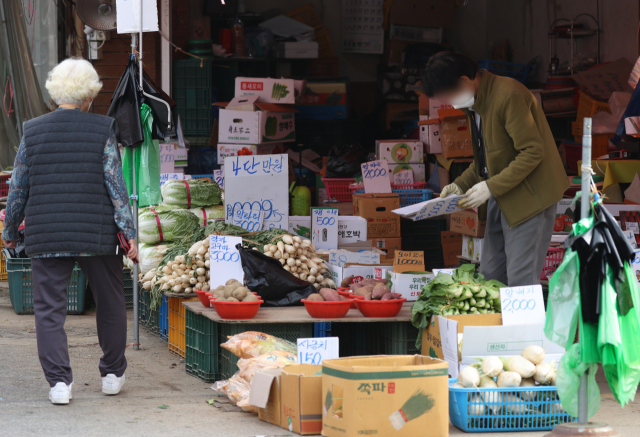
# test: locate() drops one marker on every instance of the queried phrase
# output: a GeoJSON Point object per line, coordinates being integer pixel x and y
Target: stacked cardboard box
{"type": "Point", "coordinates": [383, 226]}
{"type": "Point", "coordinates": [466, 224]}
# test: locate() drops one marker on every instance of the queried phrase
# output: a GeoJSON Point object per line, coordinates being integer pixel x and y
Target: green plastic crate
{"type": "Point", "coordinates": [149, 318]}
{"type": "Point", "coordinates": [127, 279]}
{"type": "Point", "coordinates": [21, 287]}
{"type": "Point", "coordinates": [201, 343]}
{"type": "Point", "coordinates": [192, 91]}
{"type": "Point", "coordinates": [399, 338]}
{"type": "Point", "coordinates": [286, 331]}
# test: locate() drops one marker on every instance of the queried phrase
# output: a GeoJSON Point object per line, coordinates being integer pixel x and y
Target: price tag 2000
{"type": "Point", "coordinates": [522, 305]}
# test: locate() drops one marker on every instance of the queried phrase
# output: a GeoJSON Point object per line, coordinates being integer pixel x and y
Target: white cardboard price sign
{"type": "Point", "coordinates": [224, 260]}
{"type": "Point", "coordinates": [431, 208]}
{"type": "Point", "coordinates": [314, 350]}
{"type": "Point", "coordinates": [403, 177]}
{"type": "Point", "coordinates": [324, 227]}
{"type": "Point", "coordinates": [248, 219]}
{"type": "Point", "coordinates": [522, 305]}
{"type": "Point", "coordinates": [218, 178]}
{"type": "Point", "coordinates": [167, 158]}
{"type": "Point", "coordinates": [166, 177]}
{"type": "Point", "coordinates": [375, 176]}
{"type": "Point", "coordinates": [341, 258]}
{"type": "Point", "coordinates": [260, 182]}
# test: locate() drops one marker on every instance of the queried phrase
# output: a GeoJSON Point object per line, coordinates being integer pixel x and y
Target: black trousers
{"type": "Point", "coordinates": [50, 280]}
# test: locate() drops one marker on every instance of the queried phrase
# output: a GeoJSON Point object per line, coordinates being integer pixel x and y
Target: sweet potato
{"type": "Point", "coordinates": [346, 281]}
{"type": "Point", "coordinates": [397, 295]}
{"type": "Point", "coordinates": [315, 297]}
{"type": "Point", "coordinates": [380, 290]}
{"type": "Point", "coordinates": [362, 291]}
{"type": "Point", "coordinates": [367, 296]}
{"type": "Point", "coordinates": [388, 296]}
{"type": "Point", "coordinates": [329, 294]}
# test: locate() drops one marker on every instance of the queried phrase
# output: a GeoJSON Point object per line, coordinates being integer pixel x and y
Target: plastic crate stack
{"type": "Point", "coordinates": [176, 337]}
{"type": "Point", "coordinates": [148, 317]}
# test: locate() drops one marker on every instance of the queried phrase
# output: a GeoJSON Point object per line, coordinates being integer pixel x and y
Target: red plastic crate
{"type": "Point", "coordinates": [554, 258]}
{"type": "Point", "coordinates": [4, 185]}
{"type": "Point", "coordinates": [339, 188]}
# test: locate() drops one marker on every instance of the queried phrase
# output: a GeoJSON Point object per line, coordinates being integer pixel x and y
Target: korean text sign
{"type": "Point", "coordinates": [522, 305]}
{"type": "Point", "coordinates": [324, 227]}
{"type": "Point", "coordinates": [375, 176]}
{"type": "Point", "coordinates": [314, 350]}
{"type": "Point", "coordinates": [224, 260]}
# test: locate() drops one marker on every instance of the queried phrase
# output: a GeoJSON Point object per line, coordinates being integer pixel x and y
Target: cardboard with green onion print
{"type": "Point", "coordinates": [399, 395]}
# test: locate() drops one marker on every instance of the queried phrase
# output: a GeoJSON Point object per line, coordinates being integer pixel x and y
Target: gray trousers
{"type": "Point", "coordinates": [515, 256]}
{"type": "Point", "coordinates": [50, 280]}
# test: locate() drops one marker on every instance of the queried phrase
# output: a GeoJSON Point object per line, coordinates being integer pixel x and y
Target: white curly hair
{"type": "Point", "coordinates": [72, 81]}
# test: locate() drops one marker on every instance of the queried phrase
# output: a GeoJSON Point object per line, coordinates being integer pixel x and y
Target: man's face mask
{"type": "Point", "coordinates": [463, 100]}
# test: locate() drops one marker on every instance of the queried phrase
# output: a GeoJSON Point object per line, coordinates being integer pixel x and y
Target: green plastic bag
{"type": "Point", "coordinates": [563, 303]}
{"type": "Point", "coordinates": [147, 164]}
{"type": "Point", "coordinates": [568, 382]}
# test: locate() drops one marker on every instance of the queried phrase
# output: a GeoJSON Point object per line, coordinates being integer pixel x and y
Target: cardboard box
{"type": "Point", "coordinates": [424, 133]}
{"type": "Point", "coordinates": [265, 394]}
{"type": "Point", "coordinates": [225, 150]}
{"type": "Point", "coordinates": [297, 50]}
{"type": "Point", "coordinates": [323, 101]}
{"type": "Point", "coordinates": [301, 399]}
{"type": "Point", "coordinates": [282, 91]}
{"type": "Point", "coordinates": [376, 209]}
{"type": "Point", "coordinates": [358, 271]}
{"type": "Point", "coordinates": [400, 151]}
{"type": "Point", "coordinates": [351, 229]}
{"type": "Point", "coordinates": [431, 341]}
{"type": "Point", "coordinates": [472, 247]}
{"type": "Point", "coordinates": [270, 123]}
{"type": "Point", "coordinates": [409, 285]}
{"type": "Point", "coordinates": [395, 111]}
{"type": "Point", "coordinates": [419, 171]}
{"type": "Point", "coordinates": [451, 247]}
{"type": "Point", "coordinates": [467, 222]}
{"type": "Point", "coordinates": [455, 135]}
{"type": "Point", "coordinates": [390, 245]}
{"type": "Point", "coordinates": [367, 395]}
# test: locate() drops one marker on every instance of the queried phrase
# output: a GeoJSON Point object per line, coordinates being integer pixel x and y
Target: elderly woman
{"type": "Point", "coordinates": [67, 181]}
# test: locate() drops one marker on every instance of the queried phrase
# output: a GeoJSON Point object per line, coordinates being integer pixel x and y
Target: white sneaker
{"type": "Point", "coordinates": [60, 393]}
{"type": "Point", "coordinates": [111, 384]}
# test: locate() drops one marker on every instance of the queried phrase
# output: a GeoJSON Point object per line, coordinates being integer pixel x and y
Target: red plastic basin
{"type": "Point", "coordinates": [204, 297]}
{"type": "Point", "coordinates": [343, 289]}
{"type": "Point", "coordinates": [379, 308]}
{"type": "Point", "coordinates": [327, 310]}
{"type": "Point", "coordinates": [237, 310]}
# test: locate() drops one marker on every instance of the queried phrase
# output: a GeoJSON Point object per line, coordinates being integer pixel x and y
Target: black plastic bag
{"type": "Point", "coordinates": [344, 162]}
{"type": "Point", "coordinates": [273, 283]}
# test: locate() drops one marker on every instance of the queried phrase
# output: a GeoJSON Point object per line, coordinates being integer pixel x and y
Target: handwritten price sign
{"type": "Point", "coordinates": [324, 227]}
{"type": "Point", "coordinates": [438, 206]}
{"type": "Point", "coordinates": [522, 305]}
{"type": "Point", "coordinates": [408, 261]}
{"type": "Point", "coordinates": [375, 176]}
{"type": "Point", "coordinates": [314, 350]}
{"type": "Point", "coordinates": [166, 177]}
{"type": "Point", "coordinates": [403, 177]}
{"type": "Point", "coordinates": [224, 260]}
{"type": "Point", "coordinates": [248, 219]}
{"type": "Point", "coordinates": [218, 177]}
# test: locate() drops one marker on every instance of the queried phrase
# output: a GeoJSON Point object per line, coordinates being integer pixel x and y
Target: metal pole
{"type": "Point", "coordinates": [134, 198]}
{"type": "Point", "coordinates": [585, 204]}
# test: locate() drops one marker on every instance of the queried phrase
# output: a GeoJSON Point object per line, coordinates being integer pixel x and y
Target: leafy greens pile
{"type": "Point", "coordinates": [464, 292]}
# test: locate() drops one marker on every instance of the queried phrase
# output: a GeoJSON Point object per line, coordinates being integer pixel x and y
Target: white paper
{"type": "Point", "coordinates": [375, 176]}
{"type": "Point", "coordinates": [166, 177]}
{"type": "Point", "coordinates": [449, 342]}
{"type": "Point", "coordinates": [341, 258]}
{"type": "Point", "coordinates": [314, 350]}
{"type": "Point", "coordinates": [324, 227]}
{"type": "Point", "coordinates": [362, 30]}
{"type": "Point", "coordinates": [522, 305]}
{"type": "Point", "coordinates": [403, 177]}
{"type": "Point", "coordinates": [128, 17]}
{"type": "Point", "coordinates": [431, 208]}
{"type": "Point", "coordinates": [224, 260]}
{"type": "Point", "coordinates": [447, 271]}
{"type": "Point", "coordinates": [248, 219]}
{"type": "Point", "coordinates": [167, 158]}
{"type": "Point", "coordinates": [218, 177]}
{"type": "Point", "coordinates": [260, 182]}
{"type": "Point", "coordinates": [284, 26]}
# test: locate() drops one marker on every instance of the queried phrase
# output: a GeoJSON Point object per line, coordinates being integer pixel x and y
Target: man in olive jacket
{"type": "Point", "coordinates": [516, 168]}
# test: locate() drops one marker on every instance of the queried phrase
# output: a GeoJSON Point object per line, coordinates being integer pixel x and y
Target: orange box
{"type": "Point", "coordinates": [451, 247]}
{"type": "Point", "coordinates": [301, 399]}
{"type": "Point", "coordinates": [455, 135]}
{"type": "Point", "coordinates": [376, 209]}
{"type": "Point", "coordinates": [467, 222]}
{"type": "Point", "coordinates": [388, 244]}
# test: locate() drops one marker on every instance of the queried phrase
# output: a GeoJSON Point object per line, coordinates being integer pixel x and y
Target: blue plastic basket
{"type": "Point", "coordinates": [519, 72]}
{"type": "Point", "coordinates": [322, 329]}
{"type": "Point", "coordinates": [409, 196]}
{"type": "Point", "coordinates": [164, 318]}
{"type": "Point", "coordinates": [506, 409]}
{"type": "Point", "coordinates": [201, 176]}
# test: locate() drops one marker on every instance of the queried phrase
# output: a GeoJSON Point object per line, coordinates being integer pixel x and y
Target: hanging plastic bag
{"type": "Point", "coordinates": [344, 162]}
{"type": "Point", "coordinates": [563, 302]}
{"type": "Point", "coordinates": [147, 165]}
{"type": "Point", "coordinates": [568, 382]}
{"type": "Point", "coordinates": [274, 284]}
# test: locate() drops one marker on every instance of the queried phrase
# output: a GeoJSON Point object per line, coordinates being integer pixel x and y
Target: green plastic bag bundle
{"type": "Point", "coordinates": [568, 382]}
{"type": "Point", "coordinates": [147, 164]}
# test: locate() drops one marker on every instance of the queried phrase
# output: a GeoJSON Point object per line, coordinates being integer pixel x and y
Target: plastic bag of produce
{"type": "Point", "coordinates": [209, 213]}
{"type": "Point", "coordinates": [193, 193]}
{"type": "Point", "coordinates": [163, 223]}
{"type": "Point", "coordinates": [568, 382]}
{"type": "Point", "coordinates": [237, 390]}
{"type": "Point", "coordinates": [277, 359]}
{"type": "Point", "coordinates": [252, 344]}
{"type": "Point", "coordinates": [273, 283]}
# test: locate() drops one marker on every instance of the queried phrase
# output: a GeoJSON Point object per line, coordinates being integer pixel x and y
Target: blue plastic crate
{"type": "Point", "coordinates": [322, 329]}
{"type": "Point", "coordinates": [164, 318]}
{"type": "Point", "coordinates": [519, 72]}
{"type": "Point", "coordinates": [506, 409]}
{"type": "Point", "coordinates": [409, 196]}
{"type": "Point", "coordinates": [201, 176]}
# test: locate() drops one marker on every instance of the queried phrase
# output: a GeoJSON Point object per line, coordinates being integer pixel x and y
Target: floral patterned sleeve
{"type": "Point", "coordinates": [116, 187]}
{"type": "Point", "coordinates": [18, 193]}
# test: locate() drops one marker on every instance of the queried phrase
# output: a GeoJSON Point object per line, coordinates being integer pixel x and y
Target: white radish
{"type": "Point", "coordinates": [198, 286]}
{"type": "Point", "coordinates": [280, 245]}
{"type": "Point", "coordinates": [313, 270]}
{"type": "Point", "coordinates": [476, 409]}
{"type": "Point", "coordinates": [201, 279]}
{"type": "Point", "coordinates": [193, 281]}
{"type": "Point", "coordinates": [202, 250]}
{"type": "Point", "coordinates": [518, 364]}
{"type": "Point", "coordinates": [509, 379]}
{"type": "Point", "coordinates": [269, 254]}
{"type": "Point", "coordinates": [290, 249]}
{"type": "Point", "coordinates": [535, 354]}
{"type": "Point", "coordinates": [303, 276]}
{"type": "Point", "coordinates": [200, 271]}
{"type": "Point", "coordinates": [207, 263]}
{"type": "Point", "coordinates": [469, 377]}
{"type": "Point", "coordinates": [277, 254]}
{"type": "Point", "coordinates": [528, 395]}
{"type": "Point", "coordinates": [283, 261]}
{"type": "Point", "coordinates": [265, 248]}
{"type": "Point", "coordinates": [288, 239]}
{"type": "Point", "coordinates": [492, 366]}
{"type": "Point", "coordinates": [273, 248]}
{"type": "Point", "coordinates": [544, 373]}
{"type": "Point", "coordinates": [286, 255]}
{"type": "Point", "coordinates": [291, 262]}
{"type": "Point", "coordinates": [311, 279]}
{"type": "Point", "coordinates": [177, 288]}
{"type": "Point", "coordinates": [199, 263]}
{"type": "Point", "coordinates": [188, 290]}
{"type": "Point", "coordinates": [287, 268]}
